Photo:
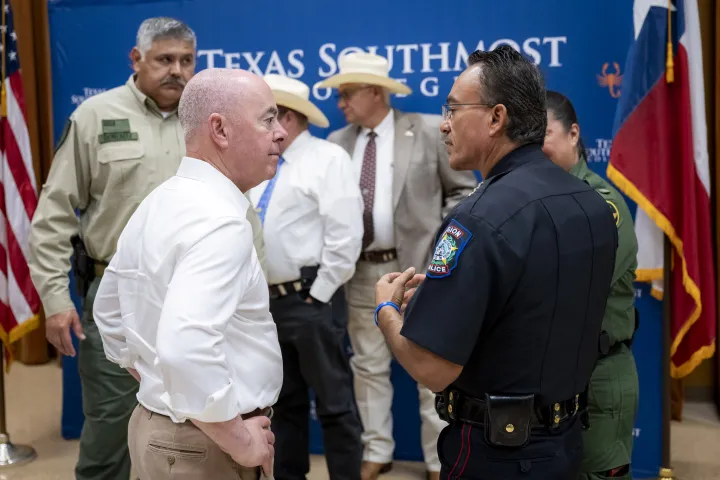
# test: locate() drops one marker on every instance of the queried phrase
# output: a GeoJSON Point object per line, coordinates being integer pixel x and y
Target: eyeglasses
{"type": "Point", "coordinates": [449, 108]}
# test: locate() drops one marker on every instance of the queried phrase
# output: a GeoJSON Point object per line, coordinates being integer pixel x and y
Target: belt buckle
{"type": "Point", "coordinates": [453, 405]}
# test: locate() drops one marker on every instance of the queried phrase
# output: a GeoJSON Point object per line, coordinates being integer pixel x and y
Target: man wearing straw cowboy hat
{"type": "Point", "coordinates": [407, 184]}
{"type": "Point", "coordinates": [311, 213]}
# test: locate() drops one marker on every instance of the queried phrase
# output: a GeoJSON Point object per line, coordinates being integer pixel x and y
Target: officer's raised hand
{"type": "Point", "coordinates": [57, 331]}
{"type": "Point", "coordinates": [393, 287]}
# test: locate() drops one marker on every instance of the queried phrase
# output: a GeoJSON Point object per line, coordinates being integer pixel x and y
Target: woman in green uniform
{"type": "Point", "coordinates": [613, 389]}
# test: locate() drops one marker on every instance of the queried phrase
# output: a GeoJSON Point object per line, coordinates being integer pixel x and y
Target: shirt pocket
{"type": "Point", "coordinates": [122, 169]}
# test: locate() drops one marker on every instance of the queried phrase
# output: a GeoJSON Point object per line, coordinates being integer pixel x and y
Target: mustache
{"type": "Point", "coordinates": [177, 81]}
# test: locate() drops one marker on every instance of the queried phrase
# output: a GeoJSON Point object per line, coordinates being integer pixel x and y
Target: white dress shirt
{"type": "Point", "coordinates": [384, 235]}
{"type": "Point", "coordinates": [314, 216]}
{"type": "Point", "coordinates": [184, 302]}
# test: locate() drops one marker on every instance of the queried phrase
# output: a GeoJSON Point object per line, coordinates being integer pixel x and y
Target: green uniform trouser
{"type": "Point", "coordinates": [108, 397]}
{"type": "Point", "coordinates": [612, 404]}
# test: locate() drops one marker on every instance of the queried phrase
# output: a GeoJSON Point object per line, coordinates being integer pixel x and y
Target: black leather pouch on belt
{"type": "Point", "coordinates": [508, 419]}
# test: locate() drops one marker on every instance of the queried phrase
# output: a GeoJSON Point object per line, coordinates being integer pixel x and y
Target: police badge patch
{"type": "Point", "coordinates": [448, 250]}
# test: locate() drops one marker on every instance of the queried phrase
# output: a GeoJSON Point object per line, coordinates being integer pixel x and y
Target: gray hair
{"type": "Point", "coordinates": [162, 28]}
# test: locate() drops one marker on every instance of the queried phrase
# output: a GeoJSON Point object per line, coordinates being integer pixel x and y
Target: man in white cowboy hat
{"type": "Point", "coordinates": [408, 187]}
{"type": "Point", "coordinates": [311, 213]}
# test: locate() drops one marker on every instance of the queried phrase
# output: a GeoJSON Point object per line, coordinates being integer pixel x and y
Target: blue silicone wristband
{"type": "Point", "coordinates": [385, 304]}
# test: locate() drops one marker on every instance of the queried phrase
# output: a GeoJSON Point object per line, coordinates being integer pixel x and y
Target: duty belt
{"type": "Point", "coordinates": [471, 410]}
{"type": "Point", "coordinates": [379, 256]}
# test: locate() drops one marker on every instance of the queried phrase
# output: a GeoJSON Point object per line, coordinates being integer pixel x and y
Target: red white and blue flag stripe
{"type": "Point", "coordinates": [659, 159]}
{"type": "Point", "coordinates": [19, 301]}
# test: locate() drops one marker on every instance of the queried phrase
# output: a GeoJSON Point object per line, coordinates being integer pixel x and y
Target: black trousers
{"type": "Point", "coordinates": [464, 453]}
{"type": "Point", "coordinates": [313, 349]}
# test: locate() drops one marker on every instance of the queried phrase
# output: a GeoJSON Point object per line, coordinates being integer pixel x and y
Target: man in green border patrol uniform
{"type": "Point", "coordinates": [116, 148]}
{"type": "Point", "coordinates": [613, 389]}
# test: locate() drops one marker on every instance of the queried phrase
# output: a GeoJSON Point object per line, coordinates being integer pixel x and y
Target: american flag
{"type": "Point", "coordinates": [19, 301]}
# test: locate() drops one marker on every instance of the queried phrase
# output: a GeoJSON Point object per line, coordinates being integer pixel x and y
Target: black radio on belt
{"type": "Point", "coordinates": [83, 266]}
{"type": "Point", "coordinates": [507, 420]}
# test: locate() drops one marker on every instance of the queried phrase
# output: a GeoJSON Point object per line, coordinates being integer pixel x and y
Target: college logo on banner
{"type": "Point", "coordinates": [611, 80]}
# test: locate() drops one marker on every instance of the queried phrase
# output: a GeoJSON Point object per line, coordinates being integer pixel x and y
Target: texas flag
{"type": "Point", "coordinates": [659, 159]}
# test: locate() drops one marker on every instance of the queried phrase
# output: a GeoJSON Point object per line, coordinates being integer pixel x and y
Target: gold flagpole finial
{"type": "Point", "coordinates": [669, 65]}
{"type": "Point", "coordinates": [3, 93]}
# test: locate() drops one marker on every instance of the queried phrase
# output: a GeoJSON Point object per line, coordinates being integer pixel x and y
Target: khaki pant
{"type": "Point", "coordinates": [371, 368]}
{"type": "Point", "coordinates": [162, 449]}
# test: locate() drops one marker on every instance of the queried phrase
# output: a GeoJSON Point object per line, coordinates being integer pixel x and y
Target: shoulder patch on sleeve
{"type": "Point", "coordinates": [615, 212]}
{"type": "Point", "coordinates": [448, 250]}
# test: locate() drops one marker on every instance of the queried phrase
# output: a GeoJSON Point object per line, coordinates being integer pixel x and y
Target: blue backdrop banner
{"type": "Point", "coordinates": [580, 47]}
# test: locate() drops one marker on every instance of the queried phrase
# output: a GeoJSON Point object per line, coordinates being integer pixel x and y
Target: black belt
{"type": "Point", "coordinates": [283, 289]}
{"type": "Point", "coordinates": [303, 284]}
{"type": "Point", "coordinates": [604, 347]}
{"type": "Point", "coordinates": [379, 256]}
{"type": "Point", "coordinates": [472, 410]}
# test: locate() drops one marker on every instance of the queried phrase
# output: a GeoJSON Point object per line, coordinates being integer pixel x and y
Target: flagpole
{"type": "Point", "coordinates": [10, 454]}
{"type": "Point", "coordinates": [666, 472]}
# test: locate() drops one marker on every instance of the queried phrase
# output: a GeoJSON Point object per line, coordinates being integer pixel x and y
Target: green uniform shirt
{"type": "Point", "coordinates": [116, 148]}
{"type": "Point", "coordinates": [619, 319]}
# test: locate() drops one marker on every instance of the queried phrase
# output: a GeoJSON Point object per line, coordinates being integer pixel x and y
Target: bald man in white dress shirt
{"type": "Point", "coordinates": [184, 304]}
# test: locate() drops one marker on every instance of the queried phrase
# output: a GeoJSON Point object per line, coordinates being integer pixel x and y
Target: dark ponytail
{"type": "Point", "coordinates": [564, 112]}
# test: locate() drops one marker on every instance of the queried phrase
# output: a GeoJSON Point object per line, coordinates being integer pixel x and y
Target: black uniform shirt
{"type": "Point", "coordinates": [517, 286]}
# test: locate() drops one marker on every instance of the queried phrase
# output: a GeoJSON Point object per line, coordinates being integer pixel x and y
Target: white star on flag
{"type": "Point", "coordinates": [12, 55]}
{"type": "Point", "coordinates": [13, 35]}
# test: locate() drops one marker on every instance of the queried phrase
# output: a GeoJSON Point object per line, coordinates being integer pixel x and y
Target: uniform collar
{"type": "Point", "coordinates": [518, 157]}
{"type": "Point", "coordinates": [145, 101]}
{"type": "Point", "coordinates": [201, 171]}
{"type": "Point", "coordinates": [384, 128]}
{"type": "Point", "coordinates": [580, 169]}
{"type": "Point", "coordinates": [296, 146]}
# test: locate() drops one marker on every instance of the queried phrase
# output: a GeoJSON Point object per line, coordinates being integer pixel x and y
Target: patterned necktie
{"type": "Point", "coordinates": [265, 198]}
{"type": "Point", "coordinates": [367, 187]}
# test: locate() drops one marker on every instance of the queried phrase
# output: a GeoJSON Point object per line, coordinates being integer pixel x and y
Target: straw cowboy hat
{"type": "Point", "coordinates": [294, 94]}
{"type": "Point", "coordinates": [365, 68]}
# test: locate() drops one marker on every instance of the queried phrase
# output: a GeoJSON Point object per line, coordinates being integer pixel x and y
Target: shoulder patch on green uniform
{"type": "Point", "coordinates": [448, 250]}
{"type": "Point", "coordinates": [63, 135]}
{"type": "Point", "coordinates": [615, 212]}
{"type": "Point", "coordinates": [116, 130]}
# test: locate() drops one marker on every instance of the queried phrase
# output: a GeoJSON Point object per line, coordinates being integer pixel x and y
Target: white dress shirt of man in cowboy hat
{"type": "Point", "coordinates": [311, 213]}
{"type": "Point", "coordinates": [407, 184]}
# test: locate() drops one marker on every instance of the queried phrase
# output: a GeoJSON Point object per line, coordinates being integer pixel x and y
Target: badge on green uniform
{"type": "Point", "coordinates": [116, 130]}
{"type": "Point", "coordinates": [615, 212]}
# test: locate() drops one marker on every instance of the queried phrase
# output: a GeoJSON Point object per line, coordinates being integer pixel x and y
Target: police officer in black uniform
{"type": "Point", "coordinates": [504, 325]}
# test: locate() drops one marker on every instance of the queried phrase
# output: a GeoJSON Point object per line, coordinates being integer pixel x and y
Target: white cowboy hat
{"type": "Point", "coordinates": [365, 68]}
{"type": "Point", "coordinates": [294, 94]}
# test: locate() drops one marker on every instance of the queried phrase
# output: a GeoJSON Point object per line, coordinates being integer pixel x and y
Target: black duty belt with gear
{"type": "Point", "coordinates": [453, 405]}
